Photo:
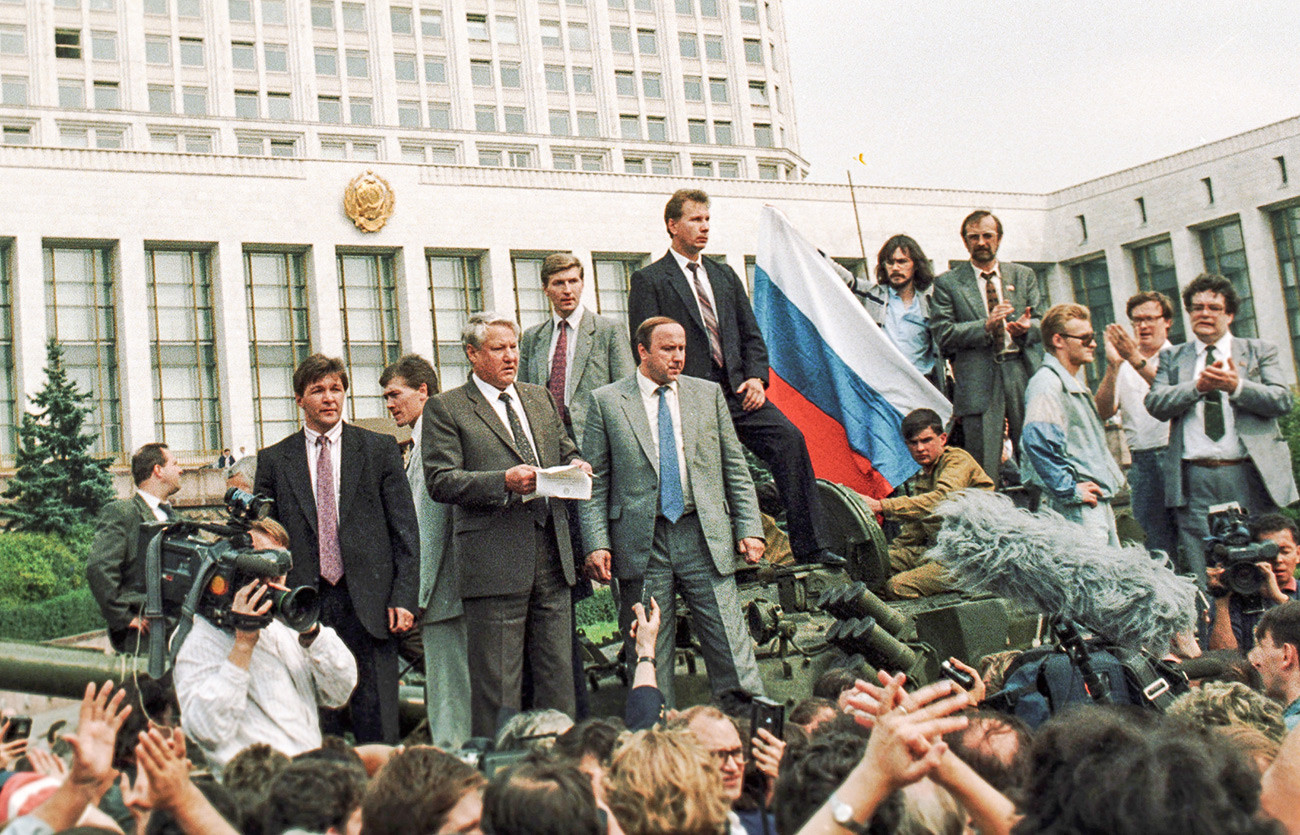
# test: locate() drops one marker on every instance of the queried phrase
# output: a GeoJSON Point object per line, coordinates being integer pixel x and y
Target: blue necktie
{"type": "Point", "coordinates": [671, 503]}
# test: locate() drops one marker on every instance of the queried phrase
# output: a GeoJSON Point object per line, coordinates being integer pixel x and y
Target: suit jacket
{"type": "Point", "coordinates": [599, 358]}
{"type": "Point", "coordinates": [616, 441]}
{"type": "Point", "coordinates": [439, 572]}
{"type": "Point", "coordinates": [379, 540]}
{"type": "Point", "coordinates": [467, 450]}
{"type": "Point", "coordinates": [661, 289]}
{"type": "Point", "coordinates": [114, 568]}
{"type": "Point", "coordinates": [957, 319]}
{"type": "Point", "coordinates": [1264, 397]}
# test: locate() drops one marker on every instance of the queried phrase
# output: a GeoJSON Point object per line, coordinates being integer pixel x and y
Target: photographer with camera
{"type": "Point", "coordinates": [258, 680]}
{"type": "Point", "coordinates": [1242, 596]}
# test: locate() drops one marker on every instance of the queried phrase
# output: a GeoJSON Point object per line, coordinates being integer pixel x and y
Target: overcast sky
{"type": "Point", "coordinates": [1030, 95]}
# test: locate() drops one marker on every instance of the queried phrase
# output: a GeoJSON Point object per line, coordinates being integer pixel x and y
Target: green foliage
{"type": "Point", "coordinates": [68, 614]}
{"type": "Point", "coordinates": [59, 484]}
{"type": "Point", "coordinates": [36, 567]}
{"type": "Point", "coordinates": [1290, 426]}
{"type": "Point", "coordinates": [597, 615]}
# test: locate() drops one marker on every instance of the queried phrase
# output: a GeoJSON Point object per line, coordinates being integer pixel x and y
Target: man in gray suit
{"type": "Point", "coordinates": [482, 446]}
{"type": "Point", "coordinates": [984, 315]}
{"type": "Point", "coordinates": [1222, 397]}
{"type": "Point", "coordinates": [671, 505]}
{"type": "Point", "coordinates": [408, 384]}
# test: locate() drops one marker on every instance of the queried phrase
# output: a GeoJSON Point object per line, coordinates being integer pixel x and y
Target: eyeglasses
{"type": "Point", "coordinates": [1145, 320]}
{"type": "Point", "coordinates": [737, 754]}
{"type": "Point", "coordinates": [1084, 338]}
{"type": "Point", "coordinates": [1208, 308]}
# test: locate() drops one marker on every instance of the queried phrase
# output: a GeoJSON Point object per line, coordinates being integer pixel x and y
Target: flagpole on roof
{"type": "Point", "coordinates": [866, 268]}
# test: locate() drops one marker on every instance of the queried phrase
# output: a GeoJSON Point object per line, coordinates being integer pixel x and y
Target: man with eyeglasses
{"type": "Point", "coordinates": [1130, 367]}
{"type": "Point", "coordinates": [1063, 442]}
{"type": "Point", "coordinates": [717, 735]}
{"type": "Point", "coordinates": [1222, 397]}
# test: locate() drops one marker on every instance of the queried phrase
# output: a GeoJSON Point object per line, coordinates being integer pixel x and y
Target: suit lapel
{"type": "Point", "coordinates": [585, 335]}
{"type": "Point", "coordinates": [1187, 363]}
{"type": "Point", "coordinates": [677, 280]}
{"type": "Point", "coordinates": [541, 356]}
{"type": "Point", "coordinates": [143, 508]}
{"type": "Point", "coordinates": [970, 287]}
{"type": "Point", "coordinates": [489, 416]}
{"type": "Point", "coordinates": [351, 463]}
{"type": "Point", "coordinates": [295, 459]}
{"type": "Point", "coordinates": [634, 409]}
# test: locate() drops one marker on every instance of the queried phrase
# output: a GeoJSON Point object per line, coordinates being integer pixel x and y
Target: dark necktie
{"type": "Point", "coordinates": [1214, 429]}
{"type": "Point", "coordinates": [709, 315]}
{"type": "Point", "coordinates": [167, 509]}
{"type": "Point", "coordinates": [559, 363]}
{"type": "Point", "coordinates": [517, 430]}
{"type": "Point", "coordinates": [671, 502]}
{"type": "Point", "coordinates": [327, 515]}
{"type": "Point", "coordinates": [991, 296]}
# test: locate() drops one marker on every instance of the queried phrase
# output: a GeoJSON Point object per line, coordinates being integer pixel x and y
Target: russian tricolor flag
{"type": "Point", "coordinates": [834, 372]}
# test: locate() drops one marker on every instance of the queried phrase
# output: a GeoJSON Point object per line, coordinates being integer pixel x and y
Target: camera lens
{"type": "Point", "coordinates": [298, 608]}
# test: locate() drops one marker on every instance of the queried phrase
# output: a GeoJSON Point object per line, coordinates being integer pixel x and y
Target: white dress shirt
{"type": "Point", "coordinates": [1196, 444]}
{"type": "Point", "coordinates": [571, 347]}
{"type": "Point", "coordinates": [493, 396]}
{"type": "Point", "coordinates": [682, 261]}
{"type": "Point", "coordinates": [276, 700]}
{"type": "Point", "coordinates": [650, 400]}
{"type": "Point", "coordinates": [335, 435]}
{"type": "Point", "coordinates": [1140, 429]}
{"type": "Point", "coordinates": [153, 502]}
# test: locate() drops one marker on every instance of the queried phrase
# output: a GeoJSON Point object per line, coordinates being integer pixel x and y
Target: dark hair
{"type": "Point", "coordinates": [543, 798]}
{"type": "Point", "coordinates": [316, 367]}
{"type": "Point", "coordinates": [1002, 769]}
{"type": "Point", "coordinates": [918, 420]}
{"type": "Point", "coordinates": [922, 275]}
{"type": "Point", "coordinates": [645, 331]}
{"type": "Point", "coordinates": [145, 459]}
{"type": "Point", "coordinates": [833, 682]}
{"type": "Point", "coordinates": [807, 709]}
{"type": "Point", "coordinates": [1273, 523]}
{"type": "Point", "coordinates": [590, 736]}
{"type": "Point", "coordinates": [673, 209]}
{"type": "Point", "coordinates": [975, 217]}
{"type": "Point", "coordinates": [312, 794]}
{"type": "Point", "coordinates": [413, 370]}
{"type": "Point", "coordinates": [1166, 306]}
{"type": "Point", "coordinates": [1281, 623]}
{"type": "Point", "coordinates": [334, 749]}
{"type": "Point", "coordinates": [162, 823]}
{"type": "Point", "coordinates": [558, 262]}
{"type": "Point", "coordinates": [414, 791]}
{"type": "Point", "coordinates": [1211, 283]}
{"type": "Point", "coordinates": [248, 777]}
{"type": "Point", "coordinates": [808, 778]}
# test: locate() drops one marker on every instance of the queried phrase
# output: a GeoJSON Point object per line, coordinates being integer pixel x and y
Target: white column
{"type": "Point", "coordinates": [323, 299]}
{"type": "Point", "coordinates": [1266, 286]}
{"type": "Point", "coordinates": [498, 281]}
{"type": "Point", "coordinates": [415, 324]}
{"type": "Point", "coordinates": [135, 371]}
{"type": "Point", "coordinates": [230, 320]}
{"type": "Point", "coordinates": [27, 283]}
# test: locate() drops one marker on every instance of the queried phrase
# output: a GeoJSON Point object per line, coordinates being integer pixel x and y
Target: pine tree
{"type": "Point", "coordinates": [59, 484]}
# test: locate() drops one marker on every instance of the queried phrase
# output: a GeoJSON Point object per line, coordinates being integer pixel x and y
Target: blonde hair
{"type": "Point", "coordinates": [1057, 316]}
{"type": "Point", "coordinates": [662, 783]}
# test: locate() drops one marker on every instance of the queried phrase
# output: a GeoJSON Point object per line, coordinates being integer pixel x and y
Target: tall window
{"type": "Point", "coordinates": [1225, 254]}
{"type": "Point", "coordinates": [186, 414]}
{"type": "Point", "coordinates": [8, 404]}
{"type": "Point", "coordinates": [1286, 237]}
{"type": "Point", "coordinates": [368, 299]}
{"type": "Point", "coordinates": [613, 276]}
{"type": "Point", "coordinates": [79, 315]}
{"type": "Point", "coordinates": [1154, 265]}
{"type": "Point", "coordinates": [457, 291]}
{"type": "Point", "coordinates": [278, 338]}
{"type": "Point", "coordinates": [1091, 282]}
{"type": "Point", "coordinates": [530, 301]}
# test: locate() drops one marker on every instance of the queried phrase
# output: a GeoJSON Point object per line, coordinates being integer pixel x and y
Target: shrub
{"type": "Point", "coordinates": [36, 567]}
{"type": "Point", "coordinates": [68, 614]}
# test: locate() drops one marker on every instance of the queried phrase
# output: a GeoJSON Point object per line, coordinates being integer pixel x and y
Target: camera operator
{"type": "Point", "coordinates": [1235, 615]}
{"type": "Point", "coordinates": [239, 686]}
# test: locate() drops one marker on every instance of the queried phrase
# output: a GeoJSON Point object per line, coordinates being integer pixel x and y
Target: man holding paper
{"type": "Point", "coordinates": [483, 444]}
{"type": "Point", "coordinates": [672, 505]}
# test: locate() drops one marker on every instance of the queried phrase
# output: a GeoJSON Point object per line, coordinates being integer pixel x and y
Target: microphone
{"type": "Point", "coordinates": [1048, 562]}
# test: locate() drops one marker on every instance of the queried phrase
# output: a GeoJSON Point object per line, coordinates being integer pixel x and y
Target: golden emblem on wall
{"type": "Point", "coordinates": [368, 200]}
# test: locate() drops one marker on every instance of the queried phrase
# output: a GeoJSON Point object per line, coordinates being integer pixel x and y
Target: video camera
{"type": "Point", "coordinates": [196, 567]}
{"type": "Point", "coordinates": [1231, 546]}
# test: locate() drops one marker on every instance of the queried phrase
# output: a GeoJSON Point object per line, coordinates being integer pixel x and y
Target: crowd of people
{"type": "Point", "coordinates": [458, 555]}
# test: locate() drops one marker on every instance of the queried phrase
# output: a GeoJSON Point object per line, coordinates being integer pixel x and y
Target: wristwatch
{"type": "Point", "coordinates": [1138, 366]}
{"type": "Point", "coordinates": [842, 813]}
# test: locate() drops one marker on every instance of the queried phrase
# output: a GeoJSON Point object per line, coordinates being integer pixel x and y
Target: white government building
{"type": "Point", "coordinates": [174, 174]}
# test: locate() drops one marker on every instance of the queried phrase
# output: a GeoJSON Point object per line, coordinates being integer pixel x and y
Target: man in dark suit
{"type": "Point", "coordinates": [984, 315]}
{"type": "Point", "coordinates": [341, 493]}
{"type": "Point", "coordinates": [724, 344]}
{"type": "Point", "coordinates": [483, 444]}
{"type": "Point", "coordinates": [115, 568]}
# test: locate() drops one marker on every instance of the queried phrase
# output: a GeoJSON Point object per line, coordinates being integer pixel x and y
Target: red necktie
{"type": "Point", "coordinates": [710, 317]}
{"type": "Point", "coordinates": [327, 515]}
{"type": "Point", "coordinates": [559, 361]}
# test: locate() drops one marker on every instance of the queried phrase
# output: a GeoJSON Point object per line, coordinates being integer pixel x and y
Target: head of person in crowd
{"type": "Point", "coordinates": [320, 385]}
{"type": "Point", "coordinates": [660, 782]}
{"type": "Point", "coordinates": [1276, 654]}
{"type": "Point", "coordinates": [589, 745]}
{"type": "Point", "coordinates": [407, 384]}
{"type": "Point", "coordinates": [687, 217]}
{"type": "Point", "coordinates": [833, 682]}
{"type": "Point", "coordinates": [541, 798]}
{"type": "Point", "coordinates": [315, 795]}
{"type": "Point", "coordinates": [818, 769]}
{"type": "Point", "coordinates": [562, 282]}
{"type": "Point", "coordinates": [1068, 335]}
{"type": "Point", "coordinates": [335, 749]}
{"type": "Point", "coordinates": [1217, 704]}
{"type": "Point", "coordinates": [224, 801]}
{"type": "Point", "coordinates": [533, 730]}
{"type": "Point", "coordinates": [422, 790]}
{"type": "Point", "coordinates": [981, 233]}
{"type": "Point", "coordinates": [1282, 530]}
{"type": "Point", "coordinates": [993, 668]}
{"type": "Point", "coordinates": [1280, 785]}
{"type": "Point", "coordinates": [243, 474]}
{"type": "Point", "coordinates": [996, 746]}
{"type": "Point", "coordinates": [491, 343]}
{"type": "Point", "coordinates": [1256, 746]}
{"type": "Point", "coordinates": [812, 712]}
{"type": "Point", "coordinates": [929, 809]}
{"type": "Point", "coordinates": [156, 471]}
{"type": "Point", "coordinates": [1150, 313]}
{"type": "Point", "coordinates": [1211, 302]}
{"type": "Point", "coordinates": [248, 776]}
{"type": "Point", "coordinates": [717, 734]}
{"type": "Point", "coordinates": [1099, 769]}
{"type": "Point", "coordinates": [661, 348]}
{"type": "Point", "coordinates": [922, 430]}
{"type": "Point", "coordinates": [901, 262]}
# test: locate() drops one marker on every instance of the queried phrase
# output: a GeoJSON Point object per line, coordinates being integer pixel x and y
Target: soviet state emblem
{"type": "Point", "coordinates": [368, 200]}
